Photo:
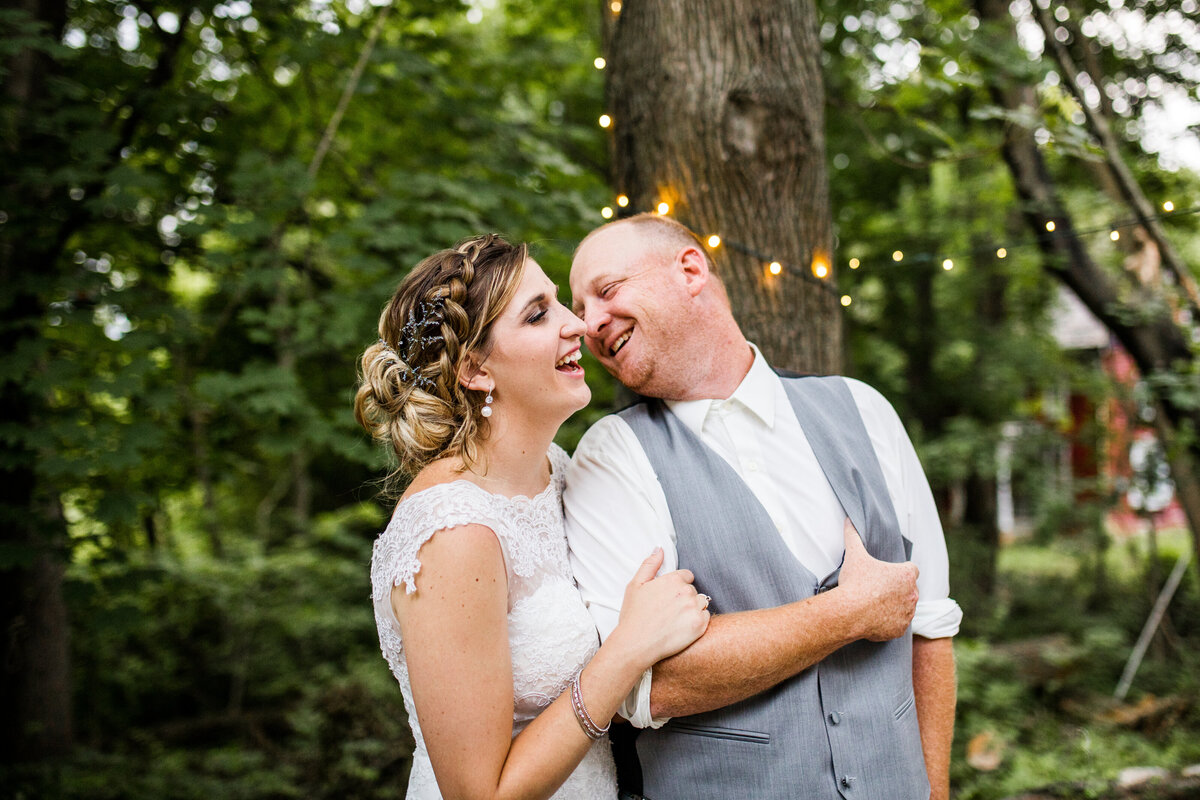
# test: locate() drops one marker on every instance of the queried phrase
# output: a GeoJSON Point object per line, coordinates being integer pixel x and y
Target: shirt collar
{"type": "Point", "coordinates": [757, 393]}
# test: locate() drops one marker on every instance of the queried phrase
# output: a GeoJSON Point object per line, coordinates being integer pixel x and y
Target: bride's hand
{"type": "Point", "coordinates": [661, 615]}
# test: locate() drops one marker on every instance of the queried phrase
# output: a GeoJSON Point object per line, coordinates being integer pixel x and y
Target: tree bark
{"type": "Point", "coordinates": [718, 110]}
{"type": "Point", "coordinates": [1156, 344]}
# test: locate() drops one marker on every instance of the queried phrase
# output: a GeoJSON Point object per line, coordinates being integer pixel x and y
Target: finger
{"type": "Point", "coordinates": [684, 575]}
{"type": "Point", "coordinates": [649, 567]}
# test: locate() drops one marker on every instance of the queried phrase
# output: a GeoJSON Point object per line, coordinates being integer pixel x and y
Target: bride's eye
{"type": "Point", "coordinates": [538, 317]}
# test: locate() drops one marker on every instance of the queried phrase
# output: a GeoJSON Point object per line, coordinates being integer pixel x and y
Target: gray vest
{"type": "Point", "coordinates": [844, 727]}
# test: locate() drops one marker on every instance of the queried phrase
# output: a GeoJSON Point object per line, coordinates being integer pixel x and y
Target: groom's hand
{"type": "Point", "coordinates": [885, 594]}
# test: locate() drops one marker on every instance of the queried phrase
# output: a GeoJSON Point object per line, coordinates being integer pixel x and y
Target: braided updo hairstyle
{"type": "Point", "coordinates": [409, 395]}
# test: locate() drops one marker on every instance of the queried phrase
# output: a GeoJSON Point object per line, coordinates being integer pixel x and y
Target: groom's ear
{"type": "Point", "coordinates": [474, 374]}
{"type": "Point", "coordinates": [694, 268]}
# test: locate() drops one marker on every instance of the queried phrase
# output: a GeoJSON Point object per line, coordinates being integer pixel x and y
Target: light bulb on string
{"type": "Point", "coordinates": [897, 256]}
{"type": "Point", "coordinates": [1115, 235]}
{"type": "Point", "coordinates": [820, 264]}
{"type": "Point", "coordinates": [845, 300]}
{"type": "Point", "coordinates": [714, 241]}
{"type": "Point", "coordinates": [1050, 226]}
{"type": "Point", "coordinates": [605, 120]}
{"type": "Point", "coordinates": [622, 200]}
{"type": "Point", "coordinates": [1168, 206]}
{"type": "Point", "coordinates": [1002, 253]}
{"type": "Point", "coordinates": [599, 63]}
{"type": "Point", "coordinates": [606, 212]}
{"type": "Point", "coordinates": [855, 263]}
{"type": "Point", "coordinates": [947, 265]}
{"type": "Point", "coordinates": [615, 5]}
{"type": "Point", "coordinates": [664, 208]}
{"type": "Point", "coordinates": [775, 267]}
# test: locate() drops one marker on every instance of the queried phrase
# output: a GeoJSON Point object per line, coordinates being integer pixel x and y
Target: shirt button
{"type": "Point", "coordinates": [834, 718]}
{"type": "Point", "coordinates": [752, 465]}
{"type": "Point", "coordinates": [846, 781]}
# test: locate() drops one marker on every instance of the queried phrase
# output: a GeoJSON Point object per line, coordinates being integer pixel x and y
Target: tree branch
{"type": "Point", "coordinates": [1128, 185]}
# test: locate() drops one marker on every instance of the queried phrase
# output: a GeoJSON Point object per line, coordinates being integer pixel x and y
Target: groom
{"type": "Point", "coordinates": [810, 681]}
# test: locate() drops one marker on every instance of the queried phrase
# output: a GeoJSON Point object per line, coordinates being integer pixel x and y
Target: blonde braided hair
{"type": "Point", "coordinates": [436, 327]}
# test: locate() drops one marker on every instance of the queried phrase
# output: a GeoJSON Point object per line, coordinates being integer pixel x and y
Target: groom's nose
{"type": "Point", "coordinates": [595, 318]}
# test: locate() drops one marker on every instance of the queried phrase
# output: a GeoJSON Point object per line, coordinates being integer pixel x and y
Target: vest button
{"type": "Point", "coordinates": [834, 717]}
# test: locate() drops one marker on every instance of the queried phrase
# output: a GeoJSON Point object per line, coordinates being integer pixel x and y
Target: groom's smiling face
{"type": "Point", "coordinates": [633, 305]}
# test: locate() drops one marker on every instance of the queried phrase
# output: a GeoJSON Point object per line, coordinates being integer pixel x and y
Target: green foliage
{"type": "Point", "coordinates": [203, 288]}
{"type": "Point", "coordinates": [256, 676]}
{"type": "Point", "coordinates": [1038, 687]}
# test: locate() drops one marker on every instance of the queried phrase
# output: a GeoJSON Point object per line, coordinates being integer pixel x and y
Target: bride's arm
{"type": "Point", "coordinates": [455, 634]}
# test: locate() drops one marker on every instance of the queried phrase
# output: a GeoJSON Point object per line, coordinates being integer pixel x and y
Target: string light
{"type": "Point", "coordinates": [820, 264]}
{"type": "Point", "coordinates": [615, 5]}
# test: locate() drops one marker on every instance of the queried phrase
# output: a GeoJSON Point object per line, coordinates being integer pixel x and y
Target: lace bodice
{"type": "Point", "coordinates": [551, 635]}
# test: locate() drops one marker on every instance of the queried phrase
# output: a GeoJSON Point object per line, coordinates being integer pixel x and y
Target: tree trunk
{"type": "Point", "coordinates": [35, 696]}
{"type": "Point", "coordinates": [1156, 344]}
{"type": "Point", "coordinates": [718, 110]}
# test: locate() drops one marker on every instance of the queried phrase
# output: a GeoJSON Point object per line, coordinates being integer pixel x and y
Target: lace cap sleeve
{"type": "Point", "coordinates": [417, 519]}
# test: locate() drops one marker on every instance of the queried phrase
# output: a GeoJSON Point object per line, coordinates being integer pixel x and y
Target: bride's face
{"type": "Point", "coordinates": [534, 356]}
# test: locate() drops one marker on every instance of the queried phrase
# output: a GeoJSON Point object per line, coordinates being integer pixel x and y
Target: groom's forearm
{"type": "Point", "coordinates": [935, 692]}
{"type": "Point", "coordinates": [748, 652]}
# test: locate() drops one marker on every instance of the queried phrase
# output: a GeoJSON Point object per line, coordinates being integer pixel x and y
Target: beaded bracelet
{"type": "Point", "coordinates": [585, 720]}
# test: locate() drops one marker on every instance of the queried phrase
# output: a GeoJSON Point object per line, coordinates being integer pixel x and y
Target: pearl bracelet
{"type": "Point", "coordinates": [582, 716]}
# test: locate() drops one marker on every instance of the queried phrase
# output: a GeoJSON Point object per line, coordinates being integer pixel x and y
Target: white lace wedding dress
{"type": "Point", "coordinates": [550, 632]}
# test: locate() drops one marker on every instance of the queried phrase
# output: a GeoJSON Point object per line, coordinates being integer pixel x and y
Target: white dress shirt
{"type": "Point", "coordinates": [616, 511]}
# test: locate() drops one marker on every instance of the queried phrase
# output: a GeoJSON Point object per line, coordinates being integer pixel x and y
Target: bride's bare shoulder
{"type": "Point", "coordinates": [444, 470]}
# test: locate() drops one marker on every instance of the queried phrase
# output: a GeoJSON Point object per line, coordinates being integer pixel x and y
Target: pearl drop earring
{"type": "Point", "coordinates": [486, 411]}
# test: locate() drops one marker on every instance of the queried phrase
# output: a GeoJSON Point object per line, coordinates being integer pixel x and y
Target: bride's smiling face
{"type": "Point", "coordinates": [533, 362]}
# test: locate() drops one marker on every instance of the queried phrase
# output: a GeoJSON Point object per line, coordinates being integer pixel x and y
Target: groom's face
{"type": "Point", "coordinates": [625, 291]}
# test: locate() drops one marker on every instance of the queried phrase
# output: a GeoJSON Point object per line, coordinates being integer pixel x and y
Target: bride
{"type": "Point", "coordinates": [507, 691]}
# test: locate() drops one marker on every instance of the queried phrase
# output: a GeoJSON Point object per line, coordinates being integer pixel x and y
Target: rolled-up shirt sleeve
{"type": "Point", "coordinates": [938, 615]}
{"type": "Point", "coordinates": [616, 514]}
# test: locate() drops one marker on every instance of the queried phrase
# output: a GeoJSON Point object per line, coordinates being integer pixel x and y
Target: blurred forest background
{"type": "Point", "coordinates": [203, 207]}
